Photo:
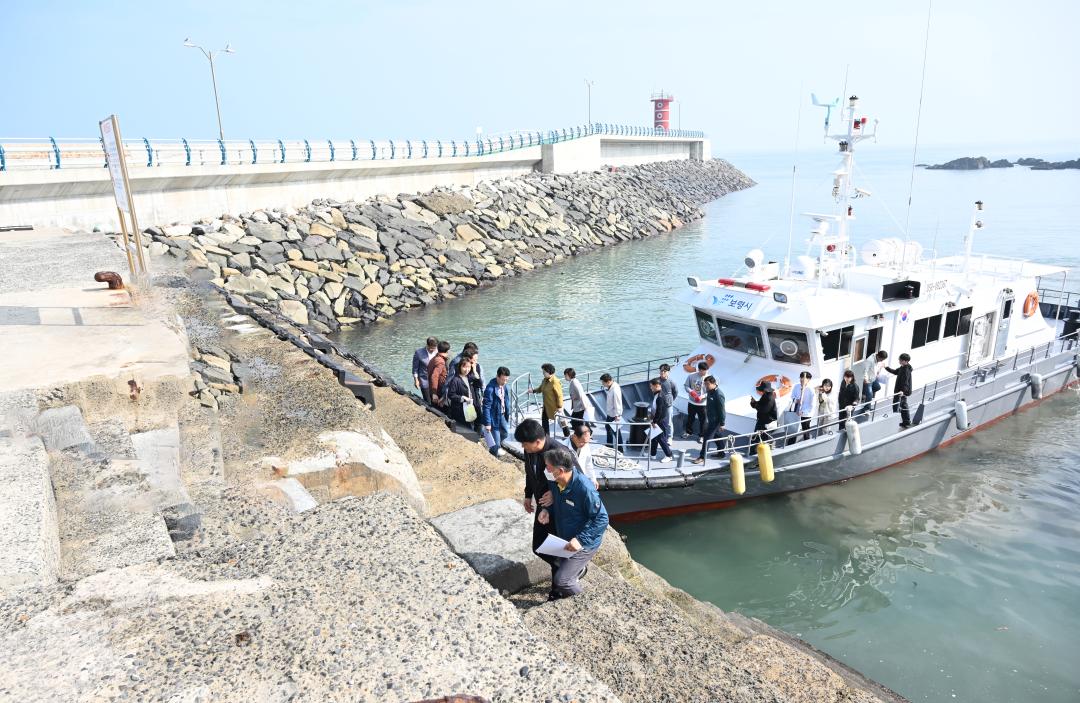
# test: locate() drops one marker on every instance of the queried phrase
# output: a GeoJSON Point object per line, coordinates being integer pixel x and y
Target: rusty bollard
{"type": "Point", "coordinates": [110, 277]}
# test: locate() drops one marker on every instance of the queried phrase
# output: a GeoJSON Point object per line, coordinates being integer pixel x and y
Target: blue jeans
{"type": "Point", "coordinates": [499, 432]}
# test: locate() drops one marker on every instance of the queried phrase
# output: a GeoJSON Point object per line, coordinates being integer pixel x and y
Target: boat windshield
{"type": "Point", "coordinates": [740, 337]}
{"type": "Point", "coordinates": [789, 346]}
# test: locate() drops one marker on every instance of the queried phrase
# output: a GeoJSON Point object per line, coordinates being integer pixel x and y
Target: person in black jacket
{"type": "Point", "coordinates": [661, 419]}
{"type": "Point", "coordinates": [766, 412]}
{"type": "Point", "coordinates": [848, 396]}
{"type": "Point", "coordinates": [459, 392]}
{"type": "Point", "coordinates": [715, 416]}
{"type": "Point", "coordinates": [902, 389]}
{"type": "Point", "coordinates": [534, 442]}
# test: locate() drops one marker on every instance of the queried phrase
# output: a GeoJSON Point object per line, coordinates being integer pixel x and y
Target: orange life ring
{"type": "Point", "coordinates": [1031, 304]}
{"type": "Point", "coordinates": [690, 365]}
{"type": "Point", "coordinates": [781, 383]}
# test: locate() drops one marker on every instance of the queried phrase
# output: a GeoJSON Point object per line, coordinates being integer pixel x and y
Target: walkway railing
{"type": "Point", "coordinates": [56, 153]}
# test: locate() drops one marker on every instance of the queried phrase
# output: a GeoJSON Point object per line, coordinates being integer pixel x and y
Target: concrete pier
{"type": "Point", "coordinates": [82, 196]}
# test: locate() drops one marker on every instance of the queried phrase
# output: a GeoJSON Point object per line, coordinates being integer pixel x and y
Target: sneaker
{"type": "Point", "coordinates": [686, 435]}
{"type": "Point", "coordinates": [904, 425]}
{"type": "Point", "coordinates": [584, 570]}
{"type": "Point", "coordinates": [666, 460]}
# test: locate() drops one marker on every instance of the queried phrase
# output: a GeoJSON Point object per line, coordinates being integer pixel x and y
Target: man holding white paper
{"type": "Point", "coordinates": [579, 517]}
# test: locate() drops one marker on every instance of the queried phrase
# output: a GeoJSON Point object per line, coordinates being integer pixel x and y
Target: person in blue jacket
{"type": "Point", "coordinates": [496, 411]}
{"type": "Point", "coordinates": [580, 518]}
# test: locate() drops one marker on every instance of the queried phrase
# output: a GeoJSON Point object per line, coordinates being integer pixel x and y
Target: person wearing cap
{"type": "Point", "coordinates": [766, 411]}
{"type": "Point", "coordinates": [661, 406]}
{"type": "Point", "coordinates": [672, 392]}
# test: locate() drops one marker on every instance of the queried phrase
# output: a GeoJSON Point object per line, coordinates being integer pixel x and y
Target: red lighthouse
{"type": "Point", "coordinates": [662, 110]}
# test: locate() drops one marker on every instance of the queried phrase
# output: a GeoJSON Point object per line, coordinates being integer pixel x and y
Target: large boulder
{"type": "Point", "coordinates": [496, 539]}
{"type": "Point", "coordinates": [266, 232]}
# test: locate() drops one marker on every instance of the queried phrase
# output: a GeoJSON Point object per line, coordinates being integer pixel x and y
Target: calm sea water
{"type": "Point", "coordinates": [954, 577]}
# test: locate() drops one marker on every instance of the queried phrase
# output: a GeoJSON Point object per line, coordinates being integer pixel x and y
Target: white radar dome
{"type": "Point", "coordinates": [754, 257]}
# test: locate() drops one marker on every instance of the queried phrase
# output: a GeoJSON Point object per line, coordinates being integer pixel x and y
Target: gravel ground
{"type": "Point", "coordinates": [356, 600]}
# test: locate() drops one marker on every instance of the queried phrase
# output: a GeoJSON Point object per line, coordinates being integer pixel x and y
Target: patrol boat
{"type": "Point", "coordinates": [988, 336]}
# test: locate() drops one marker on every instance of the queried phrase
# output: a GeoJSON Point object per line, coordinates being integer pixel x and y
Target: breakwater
{"type": "Point", "coordinates": [339, 264]}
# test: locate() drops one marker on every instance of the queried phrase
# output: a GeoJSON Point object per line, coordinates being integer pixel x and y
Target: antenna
{"type": "Point", "coordinates": [918, 122]}
{"type": "Point", "coordinates": [794, 166]}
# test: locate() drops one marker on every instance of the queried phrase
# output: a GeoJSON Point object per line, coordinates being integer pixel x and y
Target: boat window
{"type": "Point", "coordinates": [837, 343]}
{"type": "Point", "coordinates": [957, 323]}
{"type": "Point", "coordinates": [789, 346]}
{"type": "Point", "coordinates": [873, 341]}
{"type": "Point", "coordinates": [740, 337]}
{"type": "Point", "coordinates": [1007, 312]}
{"type": "Point", "coordinates": [926, 330]}
{"type": "Point", "coordinates": [706, 326]}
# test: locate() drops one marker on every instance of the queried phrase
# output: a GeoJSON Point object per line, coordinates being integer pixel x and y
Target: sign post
{"type": "Point", "coordinates": [117, 162]}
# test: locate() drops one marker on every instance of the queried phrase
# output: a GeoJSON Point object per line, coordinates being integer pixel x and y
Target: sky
{"type": "Point", "coordinates": [998, 71]}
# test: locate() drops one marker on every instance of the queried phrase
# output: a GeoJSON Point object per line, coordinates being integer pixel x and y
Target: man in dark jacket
{"type": "Point", "coordinates": [579, 517]}
{"type": "Point", "coordinates": [902, 389]}
{"type": "Point", "coordinates": [496, 411]}
{"type": "Point", "coordinates": [534, 442]}
{"type": "Point", "coordinates": [661, 419]}
{"type": "Point", "coordinates": [420, 359]}
{"type": "Point", "coordinates": [766, 411]}
{"type": "Point", "coordinates": [715, 417]}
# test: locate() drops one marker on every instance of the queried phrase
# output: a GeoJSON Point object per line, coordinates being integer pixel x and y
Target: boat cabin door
{"type": "Point", "coordinates": [1004, 317]}
{"type": "Point", "coordinates": [979, 339]}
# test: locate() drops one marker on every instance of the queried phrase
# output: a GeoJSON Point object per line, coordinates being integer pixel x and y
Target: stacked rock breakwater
{"type": "Point", "coordinates": [335, 264]}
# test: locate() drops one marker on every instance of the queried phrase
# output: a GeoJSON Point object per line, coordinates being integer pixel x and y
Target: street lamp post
{"type": "Point", "coordinates": [213, 78]}
{"type": "Point", "coordinates": [588, 87]}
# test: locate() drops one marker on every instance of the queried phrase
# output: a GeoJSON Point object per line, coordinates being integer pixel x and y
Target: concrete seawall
{"type": "Point", "coordinates": [82, 197]}
{"type": "Point", "coordinates": [332, 264]}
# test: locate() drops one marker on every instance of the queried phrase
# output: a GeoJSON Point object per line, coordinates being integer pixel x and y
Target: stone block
{"type": "Point", "coordinates": [29, 542]}
{"type": "Point", "coordinates": [294, 310]}
{"type": "Point", "coordinates": [495, 538]}
{"type": "Point", "coordinates": [62, 428]}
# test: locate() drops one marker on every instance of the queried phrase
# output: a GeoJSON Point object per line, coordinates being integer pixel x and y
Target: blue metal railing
{"type": "Point", "coordinates": [55, 153]}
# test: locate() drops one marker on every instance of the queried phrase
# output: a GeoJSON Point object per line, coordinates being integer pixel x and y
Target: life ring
{"type": "Point", "coordinates": [690, 365]}
{"type": "Point", "coordinates": [781, 383]}
{"type": "Point", "coordinates": [1031, 304]}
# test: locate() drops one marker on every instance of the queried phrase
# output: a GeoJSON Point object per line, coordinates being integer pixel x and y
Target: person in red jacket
{"type": "Point", "coordinates": [437, 373]}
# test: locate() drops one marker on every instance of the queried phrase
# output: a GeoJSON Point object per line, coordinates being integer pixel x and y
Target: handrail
{"type": "Point", "coordinates": [18, 153]}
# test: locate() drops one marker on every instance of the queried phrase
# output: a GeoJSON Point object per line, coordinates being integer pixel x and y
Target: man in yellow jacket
{"type": "Point", "coordinates": [551, 387]}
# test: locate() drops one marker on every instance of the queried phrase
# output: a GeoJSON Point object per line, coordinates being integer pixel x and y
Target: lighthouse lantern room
{"type": "Point", "coordinates": [662, 110]}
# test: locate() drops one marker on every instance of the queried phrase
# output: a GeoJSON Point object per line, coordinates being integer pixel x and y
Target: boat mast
{"type": "Point", "coordinates": [833, 249]}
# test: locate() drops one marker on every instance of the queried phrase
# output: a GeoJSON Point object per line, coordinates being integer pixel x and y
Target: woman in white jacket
{"type": "Point", "coordinates": [826, 405]}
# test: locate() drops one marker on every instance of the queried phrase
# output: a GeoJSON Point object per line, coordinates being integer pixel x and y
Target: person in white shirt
{"type": "Point", "coordinates": [803, 404]}
{"type": "Point", "coordinates": [580, 443]}
{"type": "Point", "coordinates": [867, 373]}
{"type": "Point", "coordinates": [695, 403]}
{"type": "Point", "coordinates": [580, 405]}
{"type": "Point", "coordinates": [613, 410]}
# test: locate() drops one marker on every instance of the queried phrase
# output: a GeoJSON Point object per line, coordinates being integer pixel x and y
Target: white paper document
{"type": "Point", "coordinates": [555, 547]}
{"type": "Point", "coordinates": [489, 439]}
{"type": "Point", "coordinates": [655, 431]}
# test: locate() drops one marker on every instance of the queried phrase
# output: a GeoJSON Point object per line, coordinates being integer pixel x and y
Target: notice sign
{"type": "Point", "coordinates": [111, 139]}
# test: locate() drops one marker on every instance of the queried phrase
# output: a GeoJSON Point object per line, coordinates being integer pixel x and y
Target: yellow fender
{"type": "Point", "coordinates": [738, 475]}
{"type": "Point", "coordinates": [764, 460]}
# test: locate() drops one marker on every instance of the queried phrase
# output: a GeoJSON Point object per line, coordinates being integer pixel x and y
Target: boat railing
{"type": "Point", "coordinates": [524, 403]}
{"type": "Point", "coordinates": [791, 434]}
